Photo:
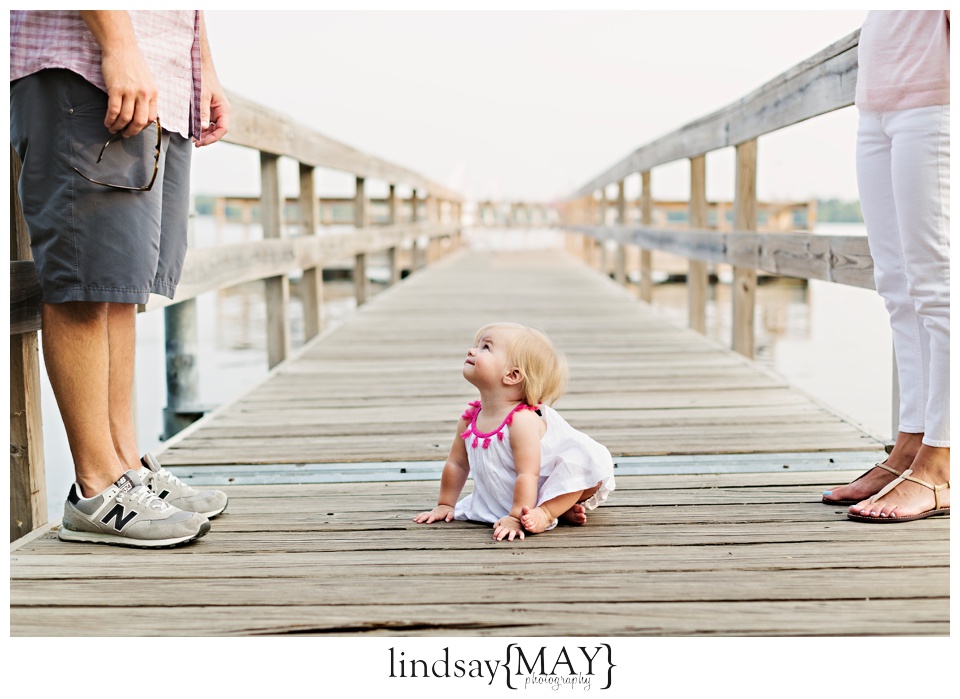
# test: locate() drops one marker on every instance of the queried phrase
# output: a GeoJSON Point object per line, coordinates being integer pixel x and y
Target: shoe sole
{"type": "Point", "coordinates": [209, 515]}
{"type": "Point", "coordinates": [113, 540]}
{"type": "Point", "coordinates": [213, 513]}
{"type": "Point", "coordinates": [893, 520]}
{"type": "Point", "coordinates": [840, 502]}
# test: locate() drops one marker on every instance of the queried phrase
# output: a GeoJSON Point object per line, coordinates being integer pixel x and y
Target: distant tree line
{"type": "Point", "coordinates": [836, 211]}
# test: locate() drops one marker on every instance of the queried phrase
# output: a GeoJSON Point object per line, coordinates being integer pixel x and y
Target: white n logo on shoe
{"type": "Point", "coordinates": [119, 514]}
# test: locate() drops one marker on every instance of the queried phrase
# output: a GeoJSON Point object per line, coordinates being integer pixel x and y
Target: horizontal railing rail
{"type": "Point", "coordinates": [843, 259]}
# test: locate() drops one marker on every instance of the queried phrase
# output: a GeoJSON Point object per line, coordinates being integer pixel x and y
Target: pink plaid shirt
{"type": "Point", "coordinates": [168, 39]}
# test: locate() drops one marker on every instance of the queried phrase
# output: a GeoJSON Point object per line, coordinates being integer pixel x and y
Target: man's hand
{"type": "Point", "coordinates": [214, 112]}
{"type": "Point", "coordinates": [131, 90]}
{"type": "Point", "coordinates": [214, 105]}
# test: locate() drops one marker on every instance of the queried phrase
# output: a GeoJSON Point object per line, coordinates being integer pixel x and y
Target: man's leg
{"type": "Point", "coordinates": [121, 334]}
{"type": "Point", "coordinates": [111, 506]}
{"type": "Point", "coordinates": [76, 352]}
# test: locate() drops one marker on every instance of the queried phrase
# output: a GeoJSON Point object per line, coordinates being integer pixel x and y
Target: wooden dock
{"type": "Point", "coordinates": [716, 526]}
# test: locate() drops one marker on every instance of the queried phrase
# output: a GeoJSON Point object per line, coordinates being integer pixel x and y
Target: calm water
{"type": "Point", "coordinates": [831, 341]}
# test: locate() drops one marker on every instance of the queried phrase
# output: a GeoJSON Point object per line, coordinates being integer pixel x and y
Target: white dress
{"type": "Point", "coordinates": [569, 461]}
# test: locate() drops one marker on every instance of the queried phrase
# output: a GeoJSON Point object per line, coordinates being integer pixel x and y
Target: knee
{"type": "Point", "coordinates": [589, 492]}
{"type": "Point", "coordinates": [75, 313]}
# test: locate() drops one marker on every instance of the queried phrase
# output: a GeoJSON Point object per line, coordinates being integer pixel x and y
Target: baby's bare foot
{"type": "Point", "coordinates": [575, 515]}
{"type": "Point", "coordinates": [536, 520]}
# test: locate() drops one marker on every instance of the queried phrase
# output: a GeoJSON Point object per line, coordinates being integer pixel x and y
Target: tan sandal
{"type": "Point", "coordinates": [937, 511]}
{"type": "Point", "coordinates": [854, 502]}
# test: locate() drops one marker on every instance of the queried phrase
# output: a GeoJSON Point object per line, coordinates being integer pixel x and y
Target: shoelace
{"type": "Point", "coordinates": [165, 476]}
{"type": "Point", "coordinates": [142, 495]}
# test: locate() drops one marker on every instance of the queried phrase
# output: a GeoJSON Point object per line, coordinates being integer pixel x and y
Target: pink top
{"type": "Point", "coordinates": [168, 39]}
{"type": "Point", "coordinates": [904, 60]}
{"type": "Point", "coordinates": [471, 415]}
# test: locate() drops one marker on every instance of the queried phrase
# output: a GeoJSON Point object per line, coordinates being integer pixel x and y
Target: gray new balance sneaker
{"type": "Point", "coordinates": [171, 489]}
{"type": "Point", "coordinates": [128, 514]}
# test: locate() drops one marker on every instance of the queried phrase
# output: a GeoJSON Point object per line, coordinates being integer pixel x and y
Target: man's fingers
{"type": "Point", "coordinates": [139, 119]}
{"type": "Point", "coordinates": [114, 105]}
{"type": "Point", "coordinates": [130, 116]}
{"type": "Point", "coordinates": [214, 132]}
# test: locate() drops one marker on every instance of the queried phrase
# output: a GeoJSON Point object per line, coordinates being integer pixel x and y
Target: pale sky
{"type": "Point", "coordinates": [526, 104]}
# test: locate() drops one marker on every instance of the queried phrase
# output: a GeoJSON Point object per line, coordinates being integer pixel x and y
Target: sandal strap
{"type": "Point", "coordinates": [877, 465]}
{"type": "Point", "coordinates": [887, 468]}
{"type": "Point", "coordinates": [935, 488]}
{"type": "Point", "coordinates": [905, 476]}
{"type": "Point", "coordinates": [892, 484]}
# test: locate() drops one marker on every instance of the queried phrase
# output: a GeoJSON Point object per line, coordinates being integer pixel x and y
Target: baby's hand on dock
{"type": "Point", "coordinates": [535, 520]}
{"type": "Point", "coordinates": [507, 528]}
{"type": "Point", "coordinates": [439, 513]}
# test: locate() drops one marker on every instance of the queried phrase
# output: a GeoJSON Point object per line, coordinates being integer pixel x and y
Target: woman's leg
{"type": "Point", "coordinates": [920, 179]}
{"type": "Point", "coordinates": [879, 206]}
{"type": "Point", "coordinates": [921, 183]}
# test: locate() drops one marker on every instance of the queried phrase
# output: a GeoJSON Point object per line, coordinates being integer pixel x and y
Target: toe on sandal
{"type": "Point", "coordinates": [848, 501]}
{"type": "Point", "coordinates": [937, 511]}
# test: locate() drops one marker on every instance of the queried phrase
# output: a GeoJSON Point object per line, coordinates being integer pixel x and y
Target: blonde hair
{"type": "Point", "coordinates": [542, 365]}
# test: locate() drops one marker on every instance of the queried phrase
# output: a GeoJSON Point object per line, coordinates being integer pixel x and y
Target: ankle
{"type": "Point", "coordinates": [932, 464]}
{"type": "Point", "coordinates": [92, 484]}
{"type": "Point", "coordinates": [905, 448]}
{"type": "Point", "coordinates": [547, 513]}
{"type": "Point", "coordinates": [90, 488]}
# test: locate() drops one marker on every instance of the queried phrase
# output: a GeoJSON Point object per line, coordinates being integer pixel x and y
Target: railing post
{"type": "Point", "coordinates": [311, 283]}
{"type": "Point", "coordinates": [745, 219]}
{"type": "Point", "coordinates": [697, 281]}
{"type": "Point", "coordinates": [360, 220]}
{"type": "Point", "coordinates": [646, 256]}
{"type": "Point", "coordinates": [601, 220]}
{"type": "Point", "coordinates": [620, 262]}
{"type": "Point", "coordinates": [456, 213]}
{"type": "Point", "coordinates": [393, 264]}
{"type": "Point", "coordinates": [586, 240]}
{"type": "Point", "coordinates": [392, 206]}
{"type": "Point", "coordinates": [276, 289]}
{"type": "Point", "coordinates": [28, 484]}
{"type": "Point", "coordinates": [434, 211]}
{"type": "Point", "coordinates": [182, 348]}
{"type": "Point", "coordinates": [589, 242]}
{"type": "Point", "coordinates": [416, 253]}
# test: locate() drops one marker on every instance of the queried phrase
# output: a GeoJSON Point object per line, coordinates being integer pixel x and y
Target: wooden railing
{"type": "Point", "coordinates": [823, 83]}
{"type": "Point", "coordinates": [208, 269]}
{"type": "Point", "coordinates": [665, 213]}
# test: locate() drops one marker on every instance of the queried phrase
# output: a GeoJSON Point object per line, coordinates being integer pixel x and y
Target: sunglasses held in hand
{"type": "Point", "coordinates": [156, 164]}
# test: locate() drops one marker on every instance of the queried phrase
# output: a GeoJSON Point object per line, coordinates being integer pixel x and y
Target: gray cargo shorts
{"type": "Point", "coordinates": [91, 242]}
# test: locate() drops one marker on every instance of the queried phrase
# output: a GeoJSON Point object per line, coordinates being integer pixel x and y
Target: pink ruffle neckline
{"type": "Point", "coordinates": [471, 416]}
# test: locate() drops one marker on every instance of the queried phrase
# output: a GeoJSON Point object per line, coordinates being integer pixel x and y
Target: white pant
{"type": "Point", "coordinates": [903, 173]}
